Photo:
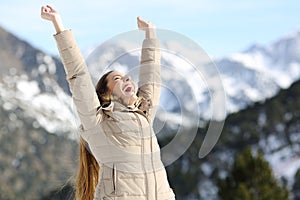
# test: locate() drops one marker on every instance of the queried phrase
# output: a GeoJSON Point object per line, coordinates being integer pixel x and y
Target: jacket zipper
{"type": "Point", "coordinates": [154, 170]}
{"type": "Point", "coordinates": [114, 177]}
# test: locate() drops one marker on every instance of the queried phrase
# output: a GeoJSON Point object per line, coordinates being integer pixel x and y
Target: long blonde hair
{"type": "Point", "coordinates": [87, 177]}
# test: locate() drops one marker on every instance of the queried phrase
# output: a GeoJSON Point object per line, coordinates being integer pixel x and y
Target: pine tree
{"type": "Point", "coordinates": [296, 186]}
{"type": "Point", "coordinates": [251, 178]}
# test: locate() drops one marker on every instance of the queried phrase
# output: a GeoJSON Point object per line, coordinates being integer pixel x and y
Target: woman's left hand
{"type": "Point", "coordinates": [146, 26]}
{"type": "Point", "coordinates": [143, 24]}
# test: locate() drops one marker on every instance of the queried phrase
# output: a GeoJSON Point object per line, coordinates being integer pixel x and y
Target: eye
{"type": "Point", "coordinates": [117, 78]}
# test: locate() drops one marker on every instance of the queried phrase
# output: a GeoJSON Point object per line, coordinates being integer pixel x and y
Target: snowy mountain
{"type": "Point", "coordinates": [261, 71]}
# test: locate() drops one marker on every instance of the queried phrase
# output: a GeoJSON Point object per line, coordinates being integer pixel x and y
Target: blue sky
{"type": "Point", "coordinates": [219, 27]}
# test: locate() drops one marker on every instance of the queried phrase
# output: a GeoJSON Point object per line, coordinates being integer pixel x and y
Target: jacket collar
{"type": "Point", "coordinates": [117, 106]}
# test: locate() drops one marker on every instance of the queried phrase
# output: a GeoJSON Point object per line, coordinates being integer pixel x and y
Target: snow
{"type": "Point", "coordinates": [254, 61]}
{"type": "Point", "coordinates": [285, 163]}
{"type": "Point", "coordinates": [42, 69]}
{"type": "Point", "coordinates": [260, 63]}
{"type": "Point", "coordinates": [173, 119]}
{"type": "Point", "coordinates": [50, 64]}
{"type": "Point", "coordinates": [208, 190]}
{"type": "Point", "coordinates": [294, 70]}
{"type": "Point", "coordinates": [179, 68]}
{"type": "Point", "coordinates": [49, 106]}
{"type": "Point", "coordinates": [207, 169]}
{"type": "Point", "coordinates": [53, 111]}
{"type": "Point", "coordinates": [28, 89]}
{"type": "Point", "coordinates": [283, 158]}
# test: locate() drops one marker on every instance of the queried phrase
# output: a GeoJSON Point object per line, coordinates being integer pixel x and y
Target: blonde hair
{"type": "Point", "coordinates": [87, 176]}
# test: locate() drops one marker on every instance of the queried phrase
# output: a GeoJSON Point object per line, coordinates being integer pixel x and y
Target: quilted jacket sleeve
{"type": "Point", "coordinates": [78, 77]}
{"type": "Point", "coordinates": [149, 76]}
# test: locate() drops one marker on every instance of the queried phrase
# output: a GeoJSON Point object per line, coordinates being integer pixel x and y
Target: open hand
{"type": "Point", "coordinates": [49, 13]}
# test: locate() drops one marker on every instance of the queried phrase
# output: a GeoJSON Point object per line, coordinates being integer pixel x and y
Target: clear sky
{"type": "Point", "coordinates": [221, 27]}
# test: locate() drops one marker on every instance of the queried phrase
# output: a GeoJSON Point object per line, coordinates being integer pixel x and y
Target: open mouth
{"type": "Point", "coordinates": [128, 88]}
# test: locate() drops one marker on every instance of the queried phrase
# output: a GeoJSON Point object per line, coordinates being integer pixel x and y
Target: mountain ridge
{"type": "Point", "coordinates": [250, 76]}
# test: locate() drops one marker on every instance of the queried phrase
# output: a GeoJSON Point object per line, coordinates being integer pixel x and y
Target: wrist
{"type": "Point", "coordinates": [58, 25]}
{"type": "Point", "coordinates": [150, 33]}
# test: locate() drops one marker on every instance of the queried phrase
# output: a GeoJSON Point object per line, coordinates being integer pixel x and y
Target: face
{"type": "Point", "coordinates": [120, 85]}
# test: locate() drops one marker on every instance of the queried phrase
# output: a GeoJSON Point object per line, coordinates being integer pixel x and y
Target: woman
{"type": "Point", "coordinates": [119, 153]}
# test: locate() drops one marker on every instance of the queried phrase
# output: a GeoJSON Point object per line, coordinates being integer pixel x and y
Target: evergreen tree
{"type": "Point", "coordinates": [296, 186]}
{"type": "Point", "coordinates": [66, 192]}
{"type": "Point", "coordinates": [251, 178]}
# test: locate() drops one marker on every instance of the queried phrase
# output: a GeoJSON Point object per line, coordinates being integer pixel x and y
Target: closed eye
{"type": "Point", "coordinates": [117, 78]}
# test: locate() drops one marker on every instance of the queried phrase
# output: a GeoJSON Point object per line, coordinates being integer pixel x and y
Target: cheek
{"type": "Point", "coordinates": [111, 86]}
{"type": "Point", "coordinates": [135, 86]}
{"type": "Point", "coordinates": [115, 87]}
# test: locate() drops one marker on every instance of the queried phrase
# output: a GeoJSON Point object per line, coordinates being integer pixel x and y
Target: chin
{"type": "Point", "coordinates": [130, 94]}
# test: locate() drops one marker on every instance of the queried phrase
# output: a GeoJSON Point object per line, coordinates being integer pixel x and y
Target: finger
{"type": "Point", "coordinates": [51, 8]}
{"type": "Point", "coordinates": [141, 20]}
{"type": "Point", "coordinates": [43, 9]}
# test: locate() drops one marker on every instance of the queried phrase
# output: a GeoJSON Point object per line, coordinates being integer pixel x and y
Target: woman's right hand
{"type": "Point", "coordinates": [49, 13]}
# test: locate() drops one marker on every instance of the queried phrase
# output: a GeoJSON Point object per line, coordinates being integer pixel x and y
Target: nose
{"type": "Point", "coordinates": [126, 78]}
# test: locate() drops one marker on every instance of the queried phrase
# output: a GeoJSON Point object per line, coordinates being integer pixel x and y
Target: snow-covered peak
{"type": "Point", "coordinates": [279, 61]}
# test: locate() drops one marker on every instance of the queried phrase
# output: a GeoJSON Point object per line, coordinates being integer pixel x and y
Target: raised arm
{"type": "Point", "coordinates": [78, 77]}
{"type": "Point", "coordinates": [149, 75]}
